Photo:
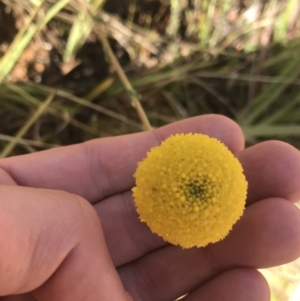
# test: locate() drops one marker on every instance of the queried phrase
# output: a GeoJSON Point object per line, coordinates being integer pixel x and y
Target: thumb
{"type": "Point", "coordinates": [52, 246]}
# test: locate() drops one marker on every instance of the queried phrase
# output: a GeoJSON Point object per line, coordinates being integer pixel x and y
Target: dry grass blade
{"type": "Point", "coordinates": [81, 28]}
{"type": "Point", "coordinates": [174, 23]}
{"type": "Point", "coordinates": [17, 47]}
{"type": "Point", "coordinates": [99, 89]}
{"type": "Point", "coordinates": [25, 36]}
{"type": "Point", "coordinates": [28, 142]}
{"type": "Point", "coordinates": [249, 78]}
{"type": "Point", "coordinates": [271, 130]}
{"type": "Point", "coordinates": [206, 21]}
{"type": "Point", "coordinates": [220, 98]}
{"type": "Point", "coordinates": [43, 107]}
{"type": "Point", "coordinates": [60, 113]}
{"type": "Point", "coordinates": [283, 22]}
{"type": "Point", "coordinates": [132, 93]}
{"type": "Point", "coordinates": [86, 103]}
{"type": "Point", "coordinates": [162, 76]}
{"type": "Point", "coordinates": [271, 94]}
{"type": "Point", "coordinates": [135, 35]}
{"type": "Point", "coordinates": [283, 111]}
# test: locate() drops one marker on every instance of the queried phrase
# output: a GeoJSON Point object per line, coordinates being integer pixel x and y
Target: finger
{"type": "Point", "coordinates": [102, 167]}
{"type": "Point", "coordinates": [124, 231]}
{"type": "Point", "coordinates": [267, 235]}
{"type": "Point", "coordinates": [52, 244]}
{"type": "Point", "coordinates": [25, 297]}
{"type": "Point", "coordinates": [233, 285]}
{"type": "Point", "coordinates": [273, 170]}
{"type": "Point", "coordinates": [5, 178]}
{"type": "Point", "coordinates": [29, 297]}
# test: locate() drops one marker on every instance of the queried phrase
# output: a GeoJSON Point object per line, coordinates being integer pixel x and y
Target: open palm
{"type": "Point", "coordinates": [53, 246]}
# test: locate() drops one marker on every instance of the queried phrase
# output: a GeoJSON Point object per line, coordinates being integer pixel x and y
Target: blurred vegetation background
{"type": "Point", "coordinates": [74, 70]}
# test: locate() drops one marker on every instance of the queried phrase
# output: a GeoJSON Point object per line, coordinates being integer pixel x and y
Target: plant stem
{"type": "Point", "coordinates": [132, 93]}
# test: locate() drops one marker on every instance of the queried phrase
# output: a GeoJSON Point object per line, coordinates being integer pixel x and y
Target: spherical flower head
{"type": "Point", "coordinates": [190, 190]}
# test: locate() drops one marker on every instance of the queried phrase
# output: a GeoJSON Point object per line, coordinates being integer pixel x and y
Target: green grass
{"type": "Point", "coordinates": [197, 68]}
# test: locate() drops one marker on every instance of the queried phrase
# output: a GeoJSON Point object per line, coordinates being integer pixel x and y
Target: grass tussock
{"type": "Point", "coordinates": [74, 70]}
{"type": "Point", "coordinates": [120, 68]}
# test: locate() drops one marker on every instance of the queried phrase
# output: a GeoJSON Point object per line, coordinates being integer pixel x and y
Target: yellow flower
{"type": "Point", "coordinates": [190, 190]}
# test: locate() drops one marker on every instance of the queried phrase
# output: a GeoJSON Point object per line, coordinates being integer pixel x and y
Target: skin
{"type": "Point", "coordinates": [69, 230]}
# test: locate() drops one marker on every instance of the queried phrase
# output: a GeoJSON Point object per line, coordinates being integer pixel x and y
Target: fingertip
{"type": "Point", "coordinates": [255, 282]}
{"type": "Point", "coordinates": [273, 170]}
{"type": "Point", "coordinates": [249, 282]}
{"type": "Point", "coordinates": [258, 281]}
{"type": "Point", "coordinates": [235, 284]}
{"type": "Point", "coordinates": [288, 158]}
{"type": "Point", "coordinates": [217, 126]}
{"type": "Point", "coordinates": [128, 297]}
{"type": "Point", "coordinates": [229, 129]}
{"type": "Point", "coordinates": [266, 236]}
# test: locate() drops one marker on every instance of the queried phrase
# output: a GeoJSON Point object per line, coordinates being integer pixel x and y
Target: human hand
{"type": "Point", "coordinates": [54, 248]}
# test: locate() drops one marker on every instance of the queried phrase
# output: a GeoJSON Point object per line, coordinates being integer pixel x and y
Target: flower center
{"type": "Point", "coordinates": [194, 189]}
{"type": "Point", "coordinates": [200, 190]}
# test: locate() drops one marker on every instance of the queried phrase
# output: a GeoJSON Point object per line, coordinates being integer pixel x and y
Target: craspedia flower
{"type": "Point", "coordinates": [190, 190]}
